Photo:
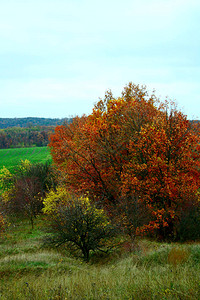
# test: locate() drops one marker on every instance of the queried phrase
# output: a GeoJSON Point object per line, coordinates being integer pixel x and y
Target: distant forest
{"type": "Point", "coordinates": [27, 132]}
{"type": "Point", "coordinates": [30, 122]}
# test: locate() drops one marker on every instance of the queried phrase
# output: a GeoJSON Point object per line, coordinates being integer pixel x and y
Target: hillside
{"type": "Point", "coordinates": [30, 122]}
{"type": "Point", "coordinates": [11, 158]}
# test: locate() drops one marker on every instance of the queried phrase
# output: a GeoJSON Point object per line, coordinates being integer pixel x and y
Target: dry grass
{"type": "Point", "coordinates": [153, 271]}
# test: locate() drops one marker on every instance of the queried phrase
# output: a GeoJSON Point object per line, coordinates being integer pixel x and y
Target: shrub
{"type": "Point", "coordinates": [25, 189]}
{"type": "Point", "coordinates": [78, 222]}
{"type": "Point", "coordinates": [24, 198]}
{"type": "Point", "coordinates": [44, 173]}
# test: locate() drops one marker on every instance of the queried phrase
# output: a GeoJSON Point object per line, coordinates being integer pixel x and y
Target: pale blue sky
{"type": "Point", "coordinates": [57, 57]}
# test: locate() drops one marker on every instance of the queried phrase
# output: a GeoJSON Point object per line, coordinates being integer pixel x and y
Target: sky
{"type": "Point", "coordinates": [58, 57]}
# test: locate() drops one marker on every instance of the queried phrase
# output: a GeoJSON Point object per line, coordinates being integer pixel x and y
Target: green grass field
{"type": "Point", "coordinates": [10, 158]}
{"type": "Point", "coordinates": [153, 271]}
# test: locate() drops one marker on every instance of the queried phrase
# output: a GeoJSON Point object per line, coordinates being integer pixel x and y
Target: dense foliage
{"type": "Point", "coordinates": [130, 148]}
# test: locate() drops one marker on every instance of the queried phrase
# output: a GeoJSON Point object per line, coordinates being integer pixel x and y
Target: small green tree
{"type": "Point", "coordinates": [78, 222]}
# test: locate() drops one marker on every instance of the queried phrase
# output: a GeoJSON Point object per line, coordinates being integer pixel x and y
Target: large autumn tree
{"type": "Point", "coordinates": [132, 153]}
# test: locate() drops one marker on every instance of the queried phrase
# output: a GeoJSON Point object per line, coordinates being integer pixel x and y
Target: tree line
{"type": "Point", "coordinates": [17, 137]}
{"type": "Point", "coordinates": [31, 121]}
{"type": "Point", "coordinates": [27, 132]}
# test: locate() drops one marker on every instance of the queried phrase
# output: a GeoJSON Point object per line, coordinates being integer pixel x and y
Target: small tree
{"type": "Point", "coordinates": [78, 222]}
{"type": "Point", "coordinates": [24, 190]}
{"type": "Point", "coordinates": [25, 198]}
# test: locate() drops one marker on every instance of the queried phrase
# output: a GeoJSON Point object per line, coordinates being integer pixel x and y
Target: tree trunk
{"type": "Point", "coordinates": [85, 252]}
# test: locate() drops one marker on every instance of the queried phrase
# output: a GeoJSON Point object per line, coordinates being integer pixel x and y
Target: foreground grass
{"type": "Point", "coordinates": [153, 271]}
{"type": "Point", "coordinates": [11, 158]}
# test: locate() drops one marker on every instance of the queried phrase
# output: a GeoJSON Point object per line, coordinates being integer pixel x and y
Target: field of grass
{"type": "Point", "coordinates": [153, 271]}
{"type": "Point", "coordinates": [10, 158]}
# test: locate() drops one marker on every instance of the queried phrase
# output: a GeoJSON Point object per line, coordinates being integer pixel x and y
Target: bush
{"type": "Point", "coordinates": [24, 199]}
{"type": "Point", "coordinates": [45, 175]}
{"type": "Point", "coordinates": [78, 222]}
{"type": "Point", "coordinates": [25, 189]}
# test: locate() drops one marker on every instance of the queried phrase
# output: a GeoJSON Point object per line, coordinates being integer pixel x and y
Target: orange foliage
{"type": "Point", "coordinates": [132, 145]}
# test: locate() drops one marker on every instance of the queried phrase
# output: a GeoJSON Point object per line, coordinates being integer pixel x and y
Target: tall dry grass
{"type": "Point", "coordinates": [153, 271]}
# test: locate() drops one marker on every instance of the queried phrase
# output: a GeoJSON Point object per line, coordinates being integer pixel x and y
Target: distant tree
{"type": "Point", "coordinates": [4, 141]}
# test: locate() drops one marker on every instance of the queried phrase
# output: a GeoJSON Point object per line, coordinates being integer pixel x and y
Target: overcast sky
{"type": "Point", "coordinates": [57, 57]}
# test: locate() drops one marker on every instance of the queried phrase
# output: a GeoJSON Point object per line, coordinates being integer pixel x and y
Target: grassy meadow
{"type": "Point", "coordinates": [30, 271]}
{"type": "Point", "coordinates": [10, 158]}
{"type": "Point", "coordinates": [153, 271]}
